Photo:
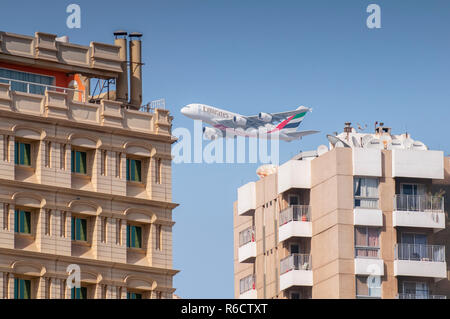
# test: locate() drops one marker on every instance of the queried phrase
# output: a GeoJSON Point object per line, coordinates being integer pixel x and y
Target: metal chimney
{"type": "Point", "coordinates": [135, 69]}
{"type": "Point", "coordinates": [122, 80]}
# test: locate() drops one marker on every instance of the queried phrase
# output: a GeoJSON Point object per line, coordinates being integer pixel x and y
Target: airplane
{"type": "Point", "coordinates": [281, 125]}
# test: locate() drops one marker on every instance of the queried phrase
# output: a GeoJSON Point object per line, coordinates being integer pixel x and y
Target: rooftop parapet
{"type": "Point", "coordinates": [99, 60]}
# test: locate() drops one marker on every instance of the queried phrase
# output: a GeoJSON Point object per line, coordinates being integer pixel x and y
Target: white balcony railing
{"type": "Point", "coordinates": [40, 89]}
{"type": "Point", "coordinates": [246, 284]}
{"type": "Point", "coordinates": [295, 262]}
{"type": "Point", "coordinates": [366, 202]}
{"type": "Point", "coordinates": [419, 203]}
{"type": "Point", "coordinates": [367, 252]}
{"type": "Point", "coordinates": [418, 252]}
{"type": "Point", "coordinates": [295, 213]}
{"type": "Point", "coordinates": [246, 236]}
{"type": "Point", "coordinates": [420, 295]}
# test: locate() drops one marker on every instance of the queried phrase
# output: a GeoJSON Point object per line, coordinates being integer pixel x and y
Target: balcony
{"type": "Point", "coordinates": [420, 261]}
{"type": "Point", "coordinates": [420, 295]}
{"type": "Point", "coordinates": [247, 245]}
{"type": "Point", "coordinates": [40, 89]}
{"type": "Point", "coordinates": [368, 262]}
{"type": "Point", "coordinates": [246, 203]}
{"type": "Point", "coordinates": [295, 221]}
{"type": "Point", "coordinates": [419, 211]}
{"type": "Point", "coordinates": [366, 212]}
{"type": "Point", "coordinates": [296, 270]}
{"type": "Point", "coordinates": [247, 288]}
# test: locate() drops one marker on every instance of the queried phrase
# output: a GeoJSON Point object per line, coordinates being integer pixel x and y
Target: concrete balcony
{"type": "Point", "coordinates": [247, 288]}
{"type": "Point", "coordinates": [295, 221]}
{"type": "Point", "coordinates": [246, 204]}
{"type": "Point", "coordinates": [295, 270]}
{"type": "Point", "coordinates": [294, 174]}
{"type": "Point", "coordinates": [418, 164]}
{"type": "Point", "coordinates": [367, 217]}
{"type": "Point", "coordinates": [247, 246]}
{"type": "Point", "coordinates": [420, 261]}
{"type": "Point", "coordinates": [419, 211]}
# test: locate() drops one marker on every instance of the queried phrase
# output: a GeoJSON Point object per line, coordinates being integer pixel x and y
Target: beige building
{"type": "Point", "coordinates": [85, 179]}
{"type": "Point", "coordinates": [364, 217]}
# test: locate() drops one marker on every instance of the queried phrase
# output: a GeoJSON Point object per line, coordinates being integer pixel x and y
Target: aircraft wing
{"type": "Point", "coordinates": [300, 134]}
{"type": "Point", "coordinates": [254, 121]}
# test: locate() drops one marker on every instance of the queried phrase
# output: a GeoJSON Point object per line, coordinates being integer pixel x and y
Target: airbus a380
{"type": "Point", "coordinates": [281, 125]}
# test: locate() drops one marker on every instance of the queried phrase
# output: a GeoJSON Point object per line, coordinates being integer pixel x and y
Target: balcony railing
{"type": "Point", "coordinates": [246, 236]}
{"type": "Point", "coordinates": [246, 284]}
{"type": "Point", "coordinates": [367, 252]}
{"type": "Point", "coordinates": [295, 213]}
{"type": "Point", "coordinates": [372, 293]}
{"type": "Point", "coordinates": [295, 262]}
{"type": "Point", "coordinates": [366, 202]}
{"type": "Point", "coordinates": [40, 89]}
{"type": "Point", "coordinates": [419, 252]}
{"type": "Point", "coordinates": [420, 295]}
{"type": "Point", "coordinates": [419, 203]}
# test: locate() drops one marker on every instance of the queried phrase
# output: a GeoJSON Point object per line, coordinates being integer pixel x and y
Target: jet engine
{"type": "Point", "coordinates": [265, 117]}
{"type": "Point", "coordinates": [210, 133]}
{"type": "Point", "coordinates": [240, 121]}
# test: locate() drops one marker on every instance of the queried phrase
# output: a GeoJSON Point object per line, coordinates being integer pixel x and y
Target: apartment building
{"type": "Point", "coordinates": [85, 172]}
{"type": "Point", "coordinates": [364, 217]}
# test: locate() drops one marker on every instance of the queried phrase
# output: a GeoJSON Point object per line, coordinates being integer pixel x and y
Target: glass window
{"type": "Point", "coordinates": [134, 236]}
{"type": "Point", "coordinates": [133, 170]}
{"type": "Point", "coordinates": [368, 286]}
{"type": "Point", "coordinates": [367, 242]}
{"type": "Point", "coordinates": [295, 249]}
{"type": "Point", "coordinates": [41, 81]}
{"type": "Point", "coordinates": [293, 200]}
{"type": "Point", "coordinates": [79, 229]}
{"type": "Point", "coordinates": [22, 154]}
{"type": "Point", "coordinates": [22, 289]}
{"type": "Point", "coordinates": [79, 293]}
{"type": "Point", "coordinates": [133, 295]}
{"type": "Point", "coordinates": [78, 162]}
{"type": "Point", "coordinates": [365, 192]}
{"type": "Point", "coordinates": [22, 222]}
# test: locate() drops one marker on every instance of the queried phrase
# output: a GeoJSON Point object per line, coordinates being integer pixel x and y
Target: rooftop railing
{"type": "Point", "coordinates": [40, 89]}
{"type": "Point", "coordinates": [295, 213]}
{"type": "Point", "coordinates": [420, 295]}
{"type": "Point", "coordinates": [419, 203]}
{"type": "Point", "coordinates": [295, 262]}
{"type": "Point", "coordinates": [246, 236]}
{"type": "Point", "coordinates": [418, 252]}
{"type": "Point", "coordinates": [246, 284]}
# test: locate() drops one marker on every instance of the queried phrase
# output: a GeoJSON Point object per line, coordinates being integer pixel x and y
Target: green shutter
{"type": "Point", "coordinates": [26, 222]}
{"type": "Point", "coordinates": [83, 230]}
{"type": "Point", "coordinates": [128, 169]}
{"type": "Point", "coordinates": [73, 161]}
{"type": "Point", "coordinates": [137, 173]}
{"type": "Point", "coordinates": [16, 221]}
{"type": "Point", "coordinates": [133, 170]}
{"type": "Point", "coordinates": [128, 235]}
{"type": "Point", "coordinates": [16, 153]}
{"type": "Point", "coordinates": [26, 155]}
{"type": "Point", "coordinates": [72, 293]}
{"type": "Point", "coordinates": [82, 162]}
{"type": "Point", "coordinates": [26, 289]}
{"type": "Point", "coordinates": [83, 293]}
{"type": "Point", "coordinates": [16, 288]}
{"type": "Point", "coordinates": [73, 228]}
{"type": "Point", "coordinates": [138, 234]}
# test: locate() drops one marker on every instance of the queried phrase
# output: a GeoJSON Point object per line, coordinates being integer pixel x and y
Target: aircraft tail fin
{"type": "Point", "coordinates": [292, 122]}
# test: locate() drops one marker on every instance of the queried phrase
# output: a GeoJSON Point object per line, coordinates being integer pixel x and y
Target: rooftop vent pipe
{"type": "Point", "coordinates": [135, 69]}
{"type": "Point", "coordinates": [122, 80]}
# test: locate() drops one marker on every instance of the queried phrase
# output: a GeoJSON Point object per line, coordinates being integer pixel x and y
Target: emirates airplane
{"type": "Point", "coordinates": [281, 125]}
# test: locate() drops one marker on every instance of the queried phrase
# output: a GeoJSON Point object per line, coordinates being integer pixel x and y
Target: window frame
{"type": "Point", "coordinates": [74, 229]}
{"type": "Point", "coordinates": [17, 221]}
{"type": "Point", "coordinates": [128, 169]}
{"type": "Point", "coordinates": [135, 294]}
{"type": "Point", "coordinates": [129, 234]}
{"type": "Point", "coordinates": [74, 291]}
{"type": "Point", "coordinates": [17, 153]}
{"type": "Point", "coordinates": [18, 283]}
{"type": "Point", "coordinates": [73, 161]}
{"type": "Point", "coordinates": [360, 197]}
{"type": "Point", "coordinates": [368, 296]}
{"type": "Point", "coordinates": [367, 247]}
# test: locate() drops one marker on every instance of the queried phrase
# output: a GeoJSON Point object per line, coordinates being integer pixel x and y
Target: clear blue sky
{"type": "Point", "coordinates": [251, 56]}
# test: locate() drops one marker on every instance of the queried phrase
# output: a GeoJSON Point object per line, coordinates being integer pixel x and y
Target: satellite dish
{"type": "Point", "coordinates": [408, 142]}
{"type": "Point", "coordinates": [336, 141]}
{"type": "Point", "coordinates": [355, 142]}
{"type": "Point", "coordinates": [266, 170]}
{"type": "Point", "coordinates": [395, 145]}
{"type": "Point", "coordinates": [419, 146]}
{"type": "Point", "coordinates": [365, 140]}
{"type": "Point", "coordinates": [375, 143]}
{"type": "Point", "coordinates": [322, 149]}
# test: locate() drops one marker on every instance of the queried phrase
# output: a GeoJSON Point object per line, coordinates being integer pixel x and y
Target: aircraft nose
{"type": "Point", "coordinates": [184, 110]}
